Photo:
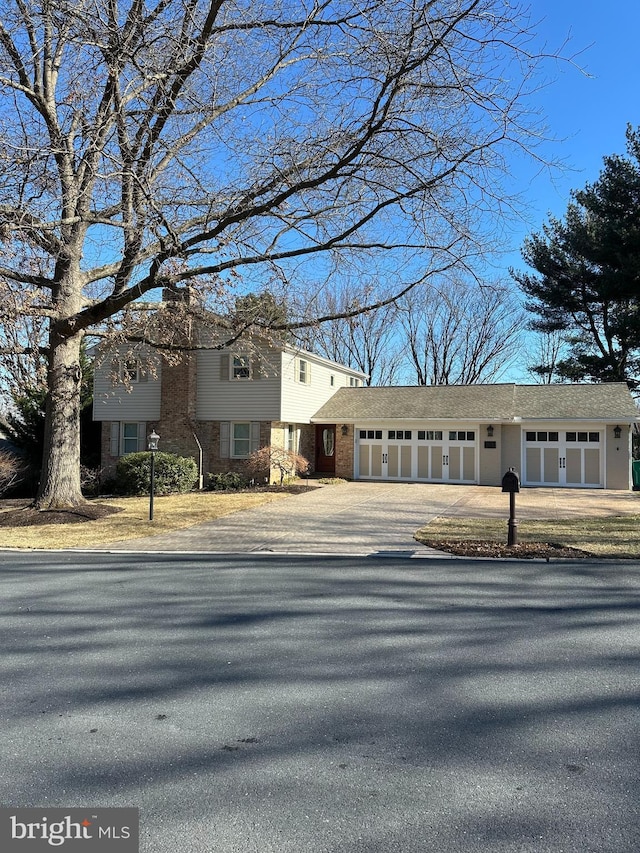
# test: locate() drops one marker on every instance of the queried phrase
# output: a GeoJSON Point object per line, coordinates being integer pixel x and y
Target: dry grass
{"type": "Point", "coordinates": [611, 536]}
{"type": "Point", "coordinates": [170, 513]}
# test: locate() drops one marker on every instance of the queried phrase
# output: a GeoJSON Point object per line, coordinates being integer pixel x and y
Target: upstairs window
{"type": "Point", "coordinates": [304, 371]}
{"type": "Point", "coordinates": [241, 367]}
{"type": "Point", "coordinates": [130, 371]}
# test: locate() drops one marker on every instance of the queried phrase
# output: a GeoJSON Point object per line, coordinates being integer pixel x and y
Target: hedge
{"type": "Point", "coordinates": [173, 474]}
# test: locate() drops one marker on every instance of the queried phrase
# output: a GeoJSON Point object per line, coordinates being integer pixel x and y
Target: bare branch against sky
{"type": "Point", "coordinates": [236, 144]}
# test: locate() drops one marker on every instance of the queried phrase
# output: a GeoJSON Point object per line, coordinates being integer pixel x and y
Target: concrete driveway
{"type": "Point", "coordinates": [373, 518]}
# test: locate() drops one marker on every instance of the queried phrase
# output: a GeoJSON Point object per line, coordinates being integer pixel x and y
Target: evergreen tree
{"type": "Point", "coordinates": [587, 279]}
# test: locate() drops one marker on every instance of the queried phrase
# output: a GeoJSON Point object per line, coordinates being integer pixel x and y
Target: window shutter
{"type": "Point", "coordinates": [114, 448]}
{"type": "Point", "coordinates": [143, 371]}
{"type": "Point", "coordinates": [308, 380]}
{"type": "Point", "coordinates": [256, 368]}
{"type": "Point", "coordinates": [142, 437]}
{"type": "Point", "coordinates": [255, 436]}
{"type": "Point", "coordinates": [224, 367]}
{"type": "Point", "coordinates": [225, 438]}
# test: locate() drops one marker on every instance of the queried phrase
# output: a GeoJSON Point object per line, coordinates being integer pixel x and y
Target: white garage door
{"type": "Point", "coordinates": [563, 458]}
{"type": "Point", "coordinates": [431, 456]}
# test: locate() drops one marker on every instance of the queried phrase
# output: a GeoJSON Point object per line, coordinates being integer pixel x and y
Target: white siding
{"type": "Point", "coordinates": [114, 402]}
{"type": "Point", "coordinates": [221, 399]}
{"type": "Point", "coordinates": [300, 400]}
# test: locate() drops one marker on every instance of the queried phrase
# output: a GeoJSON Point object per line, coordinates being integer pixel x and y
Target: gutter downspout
{"type": "Point", "coordinates": [200, 471]}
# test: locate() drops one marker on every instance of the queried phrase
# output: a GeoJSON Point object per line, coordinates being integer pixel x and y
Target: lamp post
{"type": "Point", "coordinates": [152, 446]}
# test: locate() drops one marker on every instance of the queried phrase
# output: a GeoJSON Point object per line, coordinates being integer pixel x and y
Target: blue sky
{"type": "Point", "coordinates": [588, 114]}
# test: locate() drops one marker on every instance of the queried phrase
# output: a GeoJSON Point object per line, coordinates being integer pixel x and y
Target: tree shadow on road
{"type": "Point", "coordinates": [389, 701]}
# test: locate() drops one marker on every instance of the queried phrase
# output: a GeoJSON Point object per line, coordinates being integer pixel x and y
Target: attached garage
{"type": "Point", "coordinates": [424, 455]}
{"type": "Point", "coordinates": [574, 436]}
{"type": "Point", "coordinates": [564, 457]}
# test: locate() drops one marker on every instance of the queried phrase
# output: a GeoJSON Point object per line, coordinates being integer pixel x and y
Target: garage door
{"type": "Point", "coordinates": [563, 458]}
{"type": "Point", "coordinates": [430, 456]}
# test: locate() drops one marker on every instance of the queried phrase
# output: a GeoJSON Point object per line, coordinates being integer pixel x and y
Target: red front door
{"type": "Point", "coordinates": [326, 448]}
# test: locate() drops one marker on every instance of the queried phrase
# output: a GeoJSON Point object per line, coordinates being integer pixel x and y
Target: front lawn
{"type": "Point", "coordinates": [611, 536]}
{"type": "Point", "coordinates": [130, 520]}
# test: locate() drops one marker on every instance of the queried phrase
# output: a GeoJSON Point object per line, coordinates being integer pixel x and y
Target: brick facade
{"type": "Point", "coordinates": [178, 407]}
{"type": "Point", "coordinates": [344, 451]}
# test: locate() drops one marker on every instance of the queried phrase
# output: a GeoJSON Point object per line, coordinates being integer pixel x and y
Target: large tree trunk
{"type": "Point", "coordinates": [60, 479]}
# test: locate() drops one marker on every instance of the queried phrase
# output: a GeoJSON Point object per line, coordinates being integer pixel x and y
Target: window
{"type": "Point", "coordinates": [292, 438]}
{"type": "Point", "coordinates": [353, 382]}
{"type": "Point", "coordinates": [241, 367]}
{"type": "Point", "coordinates": [129, 442]}
{"type": "Point", "coordinates": [543, 436]}
{"type": "Point", "coordinates": [332, 380]}
{"type": "Point", "coordinates": [130, 371]}
{"type": "Point", "coordinates": [328, 442]}
{"type": "Point", "coordinates": [370, 433]}
{"type": "Point", "coordinates": [303, 372]}
{"type": "Point", "coordinates": [594, 436]}
{"type": "Point", "coordinates": [421, 435]}
{"type": "Point", "coordinates": [241, 440]}
{"type": "Point", "coordinates": [461, 435]}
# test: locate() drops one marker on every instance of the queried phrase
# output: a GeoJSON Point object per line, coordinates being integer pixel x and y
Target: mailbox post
{"type": "Point", "coordinates": [511, 484]}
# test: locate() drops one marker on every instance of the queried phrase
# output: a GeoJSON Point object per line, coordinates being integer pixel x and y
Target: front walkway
{"type": "Point", "coordinates": [373, 518]}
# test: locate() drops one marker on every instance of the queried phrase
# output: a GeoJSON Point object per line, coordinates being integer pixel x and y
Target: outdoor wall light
{"type": "Point", "coordinates": [490, 430]}
{"type": "Point", "coordinates": [617, 432]}
{"type": "Point", "coordinates": [153, 440]}
{"type": "Point", "coordinates": [345, 429]}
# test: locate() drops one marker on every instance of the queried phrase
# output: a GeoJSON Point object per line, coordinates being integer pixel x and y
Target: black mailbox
{"type": "Point", "coordinates": [511, 481]}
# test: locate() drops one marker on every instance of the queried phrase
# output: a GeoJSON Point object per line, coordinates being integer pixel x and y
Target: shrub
{"type": "Point", "coordinates": [228, 482]}
{"type": "Point", "coordinates": [287, 463]}
{"type": "Point", "coordinates": [173, 474]}
{"type": "Point", "coordinates": [90, 480]}
{"type": "Point", "coordinates": [12, 471]}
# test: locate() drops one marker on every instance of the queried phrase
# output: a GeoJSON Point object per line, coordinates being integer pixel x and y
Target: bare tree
{"type": "Point", "coordinates": [544, 351]}
{"type": "Point", "coordinates": [365, 341]}
{"type": "Point", "coordinates": [461, 333]}
{"type": "Point", "coordinates": [212, 143]}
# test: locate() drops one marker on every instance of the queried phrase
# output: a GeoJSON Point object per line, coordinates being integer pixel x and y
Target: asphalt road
{"type": "Point", "coordinates": [326, 705]}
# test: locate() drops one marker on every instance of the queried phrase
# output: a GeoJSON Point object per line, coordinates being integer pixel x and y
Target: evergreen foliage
{"type": "Point", "coordinates": [230, 481]}
{"type": "Point", "coordinates": [587, 275]}
{"type": "Point", "coordinates": [173, 474]}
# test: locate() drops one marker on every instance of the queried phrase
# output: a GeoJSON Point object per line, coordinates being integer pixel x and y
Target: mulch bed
{"type": "Point", "coordinates": [29, 516]}
{"type": "Point", "coordinates": [524, 551]}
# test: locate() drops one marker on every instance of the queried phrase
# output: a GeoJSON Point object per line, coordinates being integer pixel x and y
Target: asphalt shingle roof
{"type": "Point", "coordinates": [500, 402]}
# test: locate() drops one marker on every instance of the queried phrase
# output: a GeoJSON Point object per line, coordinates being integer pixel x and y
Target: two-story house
{"type": "Point", "coordinates": [219, 405]}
